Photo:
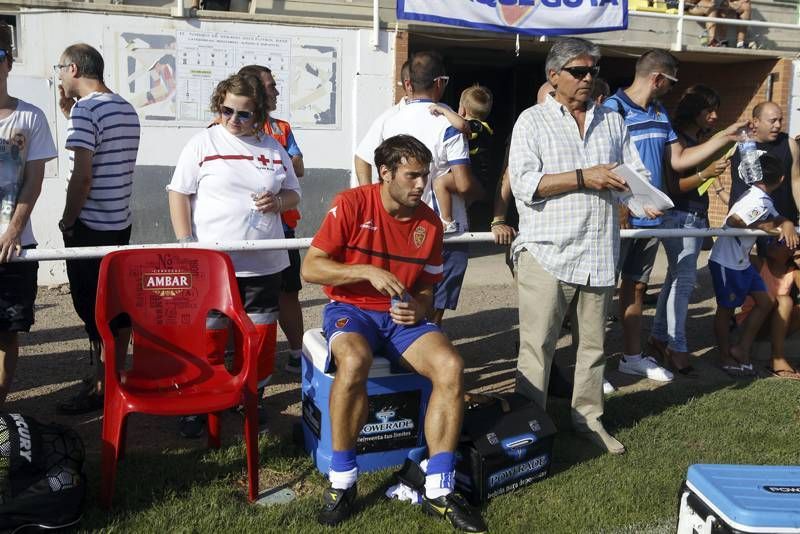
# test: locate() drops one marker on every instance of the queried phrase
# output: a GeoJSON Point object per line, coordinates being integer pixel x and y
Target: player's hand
{"type": "Point", "coordinates": [384, 282]}
{"type": "Point", "coordinates": [65, 102]}
{"type": "Point", "coordinates": [408, 313]}
{"type": "Point", "coordinates": [600, 177]}
{"type": "Point", "coordinates": [503, 234]}
{"type": "Point", "coordinates": [715, 168]}
{"type": "Point", "coordinates": [267, 202]}
{"type": "Point", "coordinates": [651, 212]}
{"type": "Point", "coordinates": [10, 245]}
{"type": "Point", "coordinates": [788, 233]}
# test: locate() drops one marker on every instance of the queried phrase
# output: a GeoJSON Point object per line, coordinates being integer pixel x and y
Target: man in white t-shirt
{"type": "Point", "coordinates": [365, 152]}
{"type": "Point", "coordinates": [25, 146]}
{"type": "Point", "coordinates": [735, 277]}
{"type": "Point", "coordinates": [450, 153]}
{"type": "Point", "coordinates": [103, 142]}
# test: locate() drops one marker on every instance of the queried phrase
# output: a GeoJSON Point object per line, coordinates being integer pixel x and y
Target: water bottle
{"type": "Point", "coordinates": [750, 167]}
{"type": "Point", "coordinates": [262, 222]}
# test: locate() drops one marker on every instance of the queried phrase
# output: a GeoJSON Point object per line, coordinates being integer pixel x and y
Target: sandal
{"type": "Point", "coordinates": [788, 374]}
{"type": "Point", "coordinates": [87, 400]}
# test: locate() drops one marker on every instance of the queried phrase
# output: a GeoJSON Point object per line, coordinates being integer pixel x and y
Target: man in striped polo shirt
{"type": "Point", "coordinates": [103, 140]}
{"type": "Point", "coordinates": [651, 131]}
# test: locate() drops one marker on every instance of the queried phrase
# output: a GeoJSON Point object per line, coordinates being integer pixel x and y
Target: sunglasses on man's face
{"type": "Point", "coordinates": [241, 115]}
{"type": "Point", "coordinates": [580, 73]}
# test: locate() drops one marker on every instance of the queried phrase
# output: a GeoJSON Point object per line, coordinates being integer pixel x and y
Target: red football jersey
{"type": "Point", "coordinates": [358, 230]}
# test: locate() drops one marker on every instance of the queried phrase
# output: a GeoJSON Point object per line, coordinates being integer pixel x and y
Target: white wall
{"type": "Point", "coordinates": [367, 76]}
{"type": "Point", "coordinates": [794, 100]}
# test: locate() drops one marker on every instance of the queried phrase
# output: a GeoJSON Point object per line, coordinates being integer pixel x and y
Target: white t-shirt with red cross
{"type": "Point", "coordinates": [221, 172]}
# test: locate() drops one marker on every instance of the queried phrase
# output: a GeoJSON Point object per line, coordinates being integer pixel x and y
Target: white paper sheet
{"type": "Point", "coordinates": [642, 194]}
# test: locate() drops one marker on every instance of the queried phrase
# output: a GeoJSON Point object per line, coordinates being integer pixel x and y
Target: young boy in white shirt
{"type": "Point", "coordinates": [735, 277]}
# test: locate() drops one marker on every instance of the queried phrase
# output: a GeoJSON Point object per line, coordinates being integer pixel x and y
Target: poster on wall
{"type": "Point", "coordinates": [206, 58]}
{"type": "Point", "coordinates": [146, 76]}
{"type": "Point", "coordinates": [316, 79]}
{"type": "Point", "coordinates": [169, 77]}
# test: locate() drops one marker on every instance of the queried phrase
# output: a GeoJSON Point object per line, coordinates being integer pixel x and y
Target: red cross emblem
{"type": "Point", "coordinates": [263, 159]}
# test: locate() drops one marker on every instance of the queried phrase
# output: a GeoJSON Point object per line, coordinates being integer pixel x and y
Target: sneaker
{"type": "Point", "coordinates": [608, 387]}
{"type": "Point", "coordinates": [645, 366]}
{"type": "Point", "coordinates": [293, 364]}
{"type": "Point", "coordinates": [456, 511]}
{"type": "Point", "coordinates": [450, 227]}
{"type": "Point", "coordinates": [337, 505]}
{"type": "Point", "coordinates": [192, 426]}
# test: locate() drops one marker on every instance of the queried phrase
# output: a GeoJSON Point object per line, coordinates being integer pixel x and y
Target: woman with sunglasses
{"type": "Point", "coordinates": [231, 183]}
{"type": "Point", "coordinates": [694, 121]}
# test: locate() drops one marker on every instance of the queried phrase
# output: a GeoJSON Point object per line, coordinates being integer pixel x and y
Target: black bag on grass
{"type": "Point", "coordinates": [41, 474]}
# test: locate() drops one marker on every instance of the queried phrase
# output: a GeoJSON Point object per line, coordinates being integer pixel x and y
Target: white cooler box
{"type": "Point", "coordinates": [740, 499]}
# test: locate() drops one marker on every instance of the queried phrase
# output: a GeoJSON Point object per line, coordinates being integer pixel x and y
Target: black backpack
{"type": "Point", "coordinates": [42, 483]}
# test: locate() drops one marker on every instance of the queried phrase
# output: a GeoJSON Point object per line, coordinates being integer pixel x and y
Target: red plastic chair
{"type": "Point", "coordinates": [167, 293]}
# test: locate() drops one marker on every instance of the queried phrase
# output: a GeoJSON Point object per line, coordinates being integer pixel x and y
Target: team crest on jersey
{"type": "Point", "coordinates": [754, 213]}
{"type": "Point", "coordinates": [419, 236]}
{"type": "Point", "coordinates": [342, 322]}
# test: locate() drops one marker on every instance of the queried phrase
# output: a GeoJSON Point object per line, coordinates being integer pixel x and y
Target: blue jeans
{"type": "Point", "coordinates": [669, 324]}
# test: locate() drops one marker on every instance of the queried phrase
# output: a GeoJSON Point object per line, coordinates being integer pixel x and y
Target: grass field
{"type": "Point", "coordinates": [665, 430]}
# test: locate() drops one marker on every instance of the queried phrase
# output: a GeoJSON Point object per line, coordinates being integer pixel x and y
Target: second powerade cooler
{"type": "Point", "coordinates": [397, 400]}
{"type": "Point", "coordinates": [740, 499]}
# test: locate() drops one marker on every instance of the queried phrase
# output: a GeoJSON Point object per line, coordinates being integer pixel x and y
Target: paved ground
{"type": "Point", "coordinates": [484, 329]}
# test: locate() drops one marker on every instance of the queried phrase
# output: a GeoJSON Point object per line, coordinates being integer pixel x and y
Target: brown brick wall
{"type": "Point", "coordinates": [400, 57]}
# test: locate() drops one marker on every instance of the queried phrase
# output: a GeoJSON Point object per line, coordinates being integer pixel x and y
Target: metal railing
{"type": "Point", "coordinates": [681, 17]}
{"type": "Point", "coordinates": [83, 253]}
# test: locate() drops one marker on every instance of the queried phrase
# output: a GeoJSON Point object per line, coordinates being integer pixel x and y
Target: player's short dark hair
{"type": "Point", "coordinates": [87, 61]}
{"type": "Point", "coordinates": [425, 67]}
{"type": "Point", "coordinates": [656, 60]}
{"type": "Point", "coordinates": [393, 150]}
{"type": "Point", "coordinates": [771, 169]}
{"type": "Point", "coordinates": [254, 70]}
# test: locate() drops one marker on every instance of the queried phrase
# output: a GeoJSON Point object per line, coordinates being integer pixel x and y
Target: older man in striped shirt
{"type": "Point", "coordinates": [562, 153]}
{"type": "Point", "coordinates": [103, 140]}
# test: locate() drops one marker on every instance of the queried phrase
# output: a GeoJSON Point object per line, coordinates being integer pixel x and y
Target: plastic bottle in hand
{"type": "Point", "coordinates": [262, 222]}
{"type": "Point", "coordinates": [750, 167]}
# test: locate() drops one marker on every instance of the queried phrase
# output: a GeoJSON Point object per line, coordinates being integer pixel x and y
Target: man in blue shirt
{"type": "Point", "coordinates": [652, 133]}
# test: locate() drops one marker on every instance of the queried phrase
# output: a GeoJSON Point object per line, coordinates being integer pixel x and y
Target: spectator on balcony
{"type": "Point", "coordinates": [730, 9]}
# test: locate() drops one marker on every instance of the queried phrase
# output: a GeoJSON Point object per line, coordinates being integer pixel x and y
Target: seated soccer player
{"type": "Point", "coordinates": [378, 254]}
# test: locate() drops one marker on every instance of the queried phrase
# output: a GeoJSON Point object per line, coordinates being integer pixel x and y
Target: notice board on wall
{"type": "Point", "coordinates": [169, 76]}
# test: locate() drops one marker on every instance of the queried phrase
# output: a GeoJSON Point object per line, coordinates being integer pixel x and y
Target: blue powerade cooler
{"type": "Point", "coordinates": [398, 400]}
{"type": "Point", "coordinates": [740, 498]}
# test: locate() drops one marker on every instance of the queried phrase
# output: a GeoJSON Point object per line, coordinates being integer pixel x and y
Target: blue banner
{"type": "Point", "coordinates": [531, 17]}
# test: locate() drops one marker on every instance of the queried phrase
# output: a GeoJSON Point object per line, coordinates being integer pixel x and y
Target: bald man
{"type": "Point", "coordinates": [767, 124]}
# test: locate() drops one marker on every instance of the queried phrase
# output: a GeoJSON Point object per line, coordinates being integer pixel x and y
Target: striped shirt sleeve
{"type": "Point", "coordinates": [81, 129]}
